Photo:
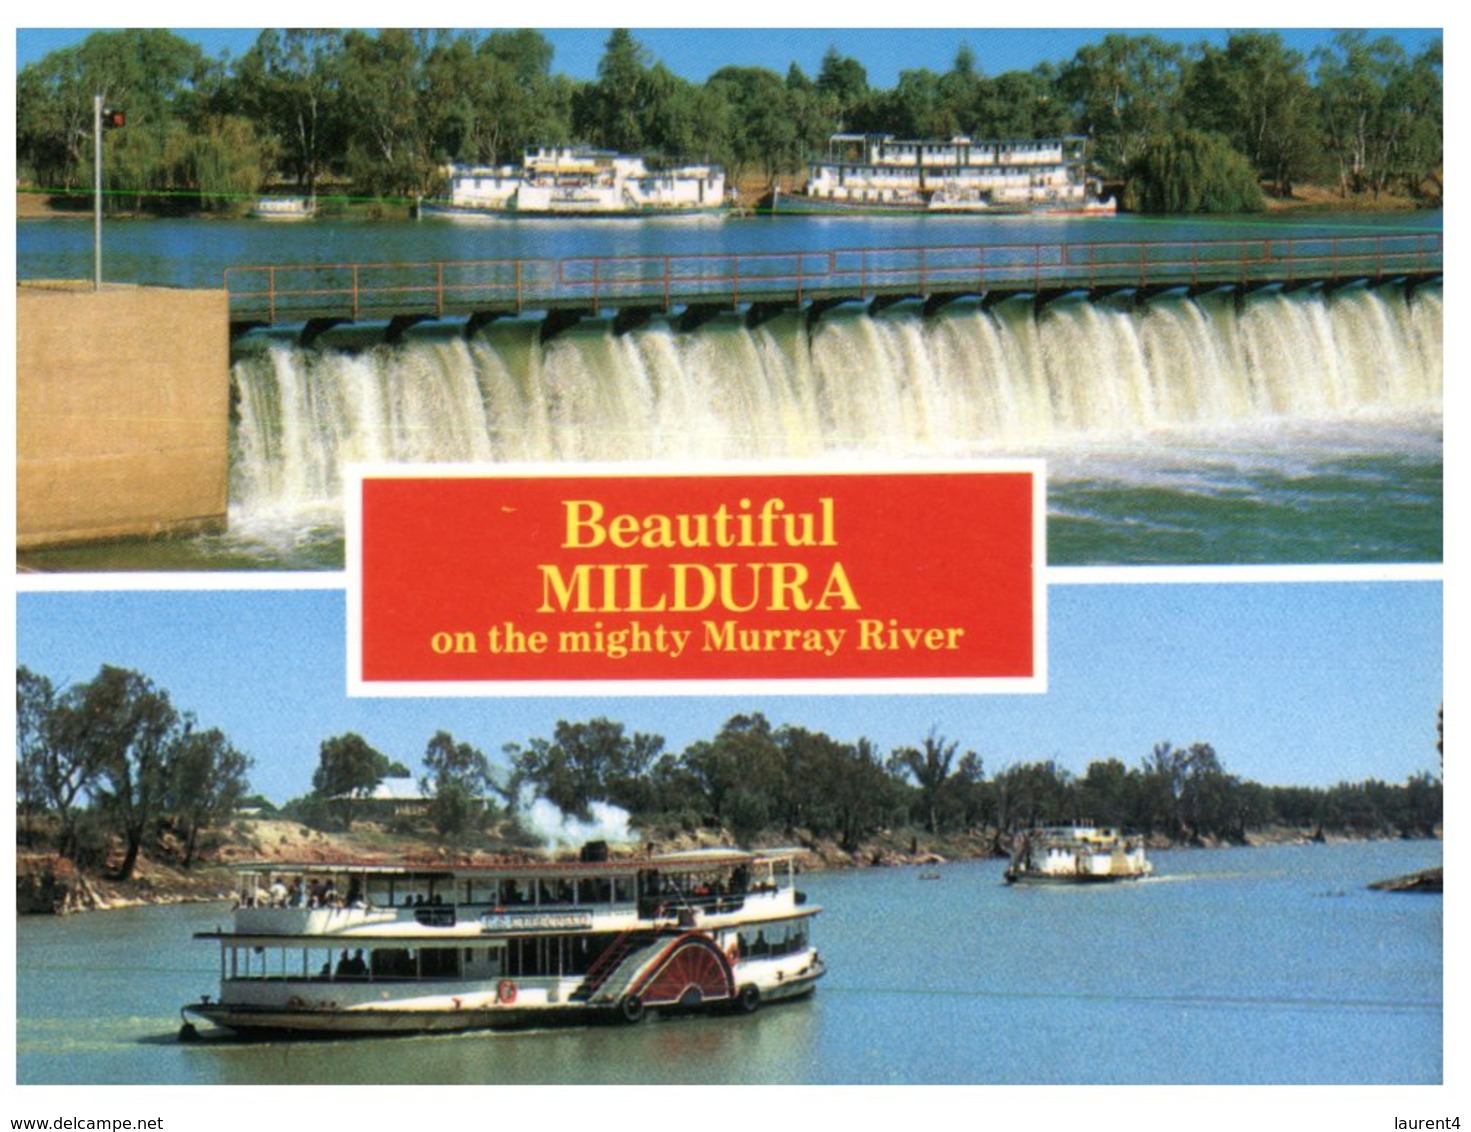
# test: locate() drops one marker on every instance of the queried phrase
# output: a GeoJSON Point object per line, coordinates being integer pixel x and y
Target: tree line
{"type": "Point", "coordinates": [755, 780]}
{"type": "Point", "coordinates": [381, 113]}
{"type": "Point", "coordinates": [111, 760]}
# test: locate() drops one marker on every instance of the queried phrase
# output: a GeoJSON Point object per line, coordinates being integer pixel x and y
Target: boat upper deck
{"type": "Point", "coordinates": [366, 900]}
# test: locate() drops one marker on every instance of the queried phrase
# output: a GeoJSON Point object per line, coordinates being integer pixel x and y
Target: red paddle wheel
{"type": "Point", "coordinates": [693, 970]}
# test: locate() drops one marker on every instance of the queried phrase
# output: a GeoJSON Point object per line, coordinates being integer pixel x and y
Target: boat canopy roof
{"type": "Point", "coordinates": [957, 139]}
{"type": "Point", "coordinates": [618, 866]}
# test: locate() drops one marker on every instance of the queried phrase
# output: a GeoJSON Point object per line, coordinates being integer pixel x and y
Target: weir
{"type": "Point", "coordinates": [959, 379]}
{"type": "Point", "coordinates": [763, 285]}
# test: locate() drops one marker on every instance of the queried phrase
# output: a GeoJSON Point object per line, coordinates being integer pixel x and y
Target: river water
{"type": "Point", "coordinates": [1298, 428]}
{"type": "Point", "coordinates": [1239, 966]}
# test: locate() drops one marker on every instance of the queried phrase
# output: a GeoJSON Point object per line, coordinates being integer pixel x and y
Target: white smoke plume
{"type": "Point", "coordinates": [558, 830]}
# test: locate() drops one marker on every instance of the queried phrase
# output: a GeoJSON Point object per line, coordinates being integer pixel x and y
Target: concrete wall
{"type": "Point", "coordinates": [122, 412]}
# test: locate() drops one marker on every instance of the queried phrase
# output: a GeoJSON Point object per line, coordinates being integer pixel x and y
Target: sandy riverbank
{"type": "Point", "coordinates": [46, 883]}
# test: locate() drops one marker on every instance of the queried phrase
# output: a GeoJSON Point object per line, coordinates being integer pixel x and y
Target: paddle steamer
{"type": "Point", "coordinates": [1077, 854]}
{"type": "Point", "coordinates": [318, 949]}
{"type": "Point", "coordinates": [574, 181]}
{"type": "Point", "coordinates": [881, 173]}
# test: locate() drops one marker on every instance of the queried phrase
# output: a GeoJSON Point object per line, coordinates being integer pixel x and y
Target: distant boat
{"type": "Point", "coordinates": [573, 181]}
{"type": "Point", "coordinates": [284, 208]}
{"type": "Point", "coordinates": [877, 173]}
{"type": "Point", "coordinates": [1077, 854]}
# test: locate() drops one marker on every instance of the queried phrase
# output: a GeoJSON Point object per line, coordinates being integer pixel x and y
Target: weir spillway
{"type": "Point", "coordinates": [964, 379]}
{"type": "Point", "coordinates": [689, 290]}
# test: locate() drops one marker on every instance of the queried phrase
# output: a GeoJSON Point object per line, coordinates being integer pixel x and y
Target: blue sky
{"type": "Point", "coordinates": [696, 52]}
{"type": "Point", "coordinates": [1308, 683]}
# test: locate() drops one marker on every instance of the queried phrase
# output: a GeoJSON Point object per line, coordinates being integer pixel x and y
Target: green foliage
{"type": "Point", "coordinates": [1123, 95]}
{"type": "Point", "coordinates": [112, 757]}
{"type": "Point", "coordinates": [151, 74]}
{"type": "Point", "coordinates": [289, 83]}
{"type": "Point", "coordinates": [207, 783]}
{"type": "Point", "coordinates": [760, 129]}
{"type": "Point", "coordinates": [930, 768]}
{"type": "Point", "coordinates": [1192, 172]}
{"type": "Point", "coordinates": [390, 108]}
{"type": "Point", "coordinates": [224, 161]}
{"type": "Point", "coordinates": [347, 771]}
{"type": "Point", "coordinates": [584, 763]}
{"type": "Point", "coordinates": [842, 83]}
{"type": "Point", "coordinates": [459, 779]}
{"type": "Point", "coordinates": [133, 728]}
{"type": "Point", "coordinates": [1256, 93]}
{"type": "Point", "coordinates": [610, 112]}
{"type": "Point", "coordinates": [1381, 112]}
{"type": "Point", "coordinates": [311, 810]}
{"type": "Point", "coordinates": [490, 101]}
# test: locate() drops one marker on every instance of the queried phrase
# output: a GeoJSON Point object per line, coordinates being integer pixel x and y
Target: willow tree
{"type": "Point", "coordinates": [150, 73]}
{"type": "Point", "coordinates": [1191, 171]}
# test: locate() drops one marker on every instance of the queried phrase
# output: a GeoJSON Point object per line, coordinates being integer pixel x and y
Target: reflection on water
{"type": "Point", "coordinates": [1263, 966]}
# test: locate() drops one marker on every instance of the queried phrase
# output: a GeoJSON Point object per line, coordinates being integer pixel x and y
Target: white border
{"type": "Point", "coordinates": [875, 686]}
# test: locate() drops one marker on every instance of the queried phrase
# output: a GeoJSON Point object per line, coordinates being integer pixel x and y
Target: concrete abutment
{"type": "Point", "coordinates": [122, 412]}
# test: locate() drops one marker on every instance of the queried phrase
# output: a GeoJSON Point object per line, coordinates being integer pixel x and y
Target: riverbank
{"type": "Point", "coordinates": [39, 205]}
{"type": "Point", "coordinates": [35, 204]}
{"type": "Point", "coordinates": [47, 884]}
{"type": "Point", "coordinates": [1426, 880]}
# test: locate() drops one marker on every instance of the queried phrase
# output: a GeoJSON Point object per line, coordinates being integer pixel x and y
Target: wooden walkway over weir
{"type": "Point", "coordinates": [691, 289]}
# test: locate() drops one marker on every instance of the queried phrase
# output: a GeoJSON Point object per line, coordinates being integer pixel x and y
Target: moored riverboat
{"type": "Point", "coordinates": [319, 949]}
{"type": "Point", "coordinates": [1077, 854]}
{"type": "Point", "coordinates": [579, 182]}
{"type": "Point", "coordinates": [284, 208]}
{"type": "Point", "coordinates": [878, 173]}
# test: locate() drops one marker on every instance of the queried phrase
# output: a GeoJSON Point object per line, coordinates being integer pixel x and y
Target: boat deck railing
{"type": "Point", "coordinates": [593, 285]}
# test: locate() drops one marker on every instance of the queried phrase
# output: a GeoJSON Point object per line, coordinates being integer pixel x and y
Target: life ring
{"type": "Point", "coordinates": [749, 998]}
{"type": "Point", "coordinates": [505, 992]}
{"type": "Point", "coordinates": [295, 1003]}
{"type": "Point", "coordinates": [632, 1009]}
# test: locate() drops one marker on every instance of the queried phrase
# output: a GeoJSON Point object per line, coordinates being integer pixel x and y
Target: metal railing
{"type": "Point", "coordinates": [365, 291]}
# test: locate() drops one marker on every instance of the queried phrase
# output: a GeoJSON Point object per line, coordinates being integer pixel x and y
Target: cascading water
{"type": "Point", "coordinates": [1077, 379]}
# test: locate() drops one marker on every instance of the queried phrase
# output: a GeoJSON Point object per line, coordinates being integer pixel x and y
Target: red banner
{"type": "Point", "coordinates": [528, 580]}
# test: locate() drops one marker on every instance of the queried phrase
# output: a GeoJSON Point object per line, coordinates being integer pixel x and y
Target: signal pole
{"type": "Point", "coordinates": [97, 192]}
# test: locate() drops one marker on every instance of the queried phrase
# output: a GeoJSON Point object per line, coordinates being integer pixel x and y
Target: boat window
{"type": "Point", "coordinates": [555, 891]}
{"type": "Point", "coordinates": [768, 940]}
{"type": "Point", "coordinates": [393, 963]}
{"type": "Point", "coordinates": [482, 892]}
{"type": "Point", "coordinates": [512, 892]}
{"type": "Point", "coordinates": [439, 962]}
{"type": "Point", "coordinates": [380, 891]}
